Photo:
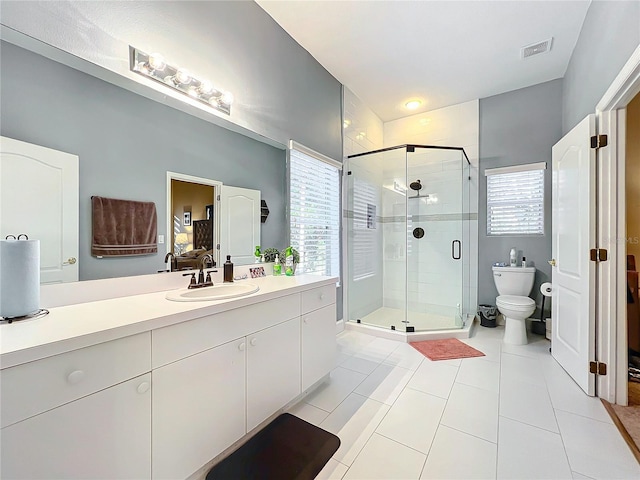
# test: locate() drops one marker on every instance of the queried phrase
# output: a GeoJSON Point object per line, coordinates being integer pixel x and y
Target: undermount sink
{"type": "Point", "coordinates": [216, 292]}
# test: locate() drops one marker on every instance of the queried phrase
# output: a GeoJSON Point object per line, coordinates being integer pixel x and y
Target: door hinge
{"type": "Point", "coordinates": [598, 255]}
{"type": "Point", "coordinates": [599, 141]}
{"type": "Point", "coordinates": [217, 246]}
{"type": "Point", "coordinates": [598, 368]}
{"type": "Point", "coordinates": [218, 198]}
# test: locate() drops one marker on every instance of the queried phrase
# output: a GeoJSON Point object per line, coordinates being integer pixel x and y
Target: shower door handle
{"type": "Point", "coordinates": [453, 250]}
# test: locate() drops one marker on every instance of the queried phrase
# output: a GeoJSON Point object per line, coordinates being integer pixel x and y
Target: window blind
{"type": "Point", "coordinates": [515, 203]}
{"type": "Point", "coordinates": [314, 212]}
{"type": "Point", "coordinates": [364, 229]}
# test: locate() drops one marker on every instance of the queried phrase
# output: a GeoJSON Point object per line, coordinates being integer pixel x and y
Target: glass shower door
{"type": "Point", "coordinates": [434, 239]}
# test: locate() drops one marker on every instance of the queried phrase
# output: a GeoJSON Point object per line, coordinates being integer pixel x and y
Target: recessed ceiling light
{"type": "Point", "coordinates": [413, 104]}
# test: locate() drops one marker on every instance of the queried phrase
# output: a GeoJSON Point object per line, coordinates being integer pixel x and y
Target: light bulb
{"type": "Point", "coordinates": [214, 101]}
{"type": "Point", "coordinates": [227, 98]}
{"type": "Point", "coordinates": [182, 76]}
{"type": "Point", "coordinates": [413, 104]}
{"type": "Point", "coordinates": [156, 61]}
{"type": "Point", "coordinates": [205, 88]}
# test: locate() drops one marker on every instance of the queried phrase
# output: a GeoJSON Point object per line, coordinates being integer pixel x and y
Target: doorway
{"type": "Point", "coordinates": [193, 219]}
{"type": "Point", "coordinates": [632, 242]}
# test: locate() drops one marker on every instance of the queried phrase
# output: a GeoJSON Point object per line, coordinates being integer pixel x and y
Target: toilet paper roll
{"type": "Point", "coordinates": [19, 277]}
{"type": "Point", "coordinates": [546, 288]}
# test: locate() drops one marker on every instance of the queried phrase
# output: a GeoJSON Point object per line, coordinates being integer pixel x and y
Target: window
{"type": "Point", "coordinates": [364, 229]}
{"type": "Point", "coordinates": [515, 200]}
{"type": "Point", "coordinates": [314, 210]}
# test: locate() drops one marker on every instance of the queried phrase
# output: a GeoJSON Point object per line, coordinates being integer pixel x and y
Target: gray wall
{"type": "Point", "coordinates": [515, 128]}
{"type": "Point", "coordinates": [609, 35]}
{"type": "Point", "coordinates": [281, 92]}
{"type": "Point", "coordinates": [126, 144]}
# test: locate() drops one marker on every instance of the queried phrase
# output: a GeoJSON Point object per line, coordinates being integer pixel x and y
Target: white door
{"type": "Point", "coordinates": [239, 224]}
{"type": "Point", "coordinates": [318, 344]}
{"type": "Point", "coordinates": [198, 409]}
{"type": "Point", "coordinates": [39, 196]}
{"type": "Point", "coordinates": [273, 370]}
{"type": "Point", "coordinates": [573, 231]}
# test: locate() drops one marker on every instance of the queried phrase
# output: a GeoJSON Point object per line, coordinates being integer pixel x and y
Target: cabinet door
{"type": "Point", "coordinates": [318, 344]}
{"type": "Point", "coordinates": [198, 409]}
{"type": "Point", "coordinates": [273, 370]}
{"type": "Point", "coordinates": [104, 435]}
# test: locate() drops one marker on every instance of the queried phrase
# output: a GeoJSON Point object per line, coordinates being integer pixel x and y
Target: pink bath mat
{"type": "Point", "coordinates": [446, 349]}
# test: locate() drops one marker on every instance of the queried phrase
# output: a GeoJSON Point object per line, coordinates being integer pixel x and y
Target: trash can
{"type": "Point", "coordinates": [487, 314]}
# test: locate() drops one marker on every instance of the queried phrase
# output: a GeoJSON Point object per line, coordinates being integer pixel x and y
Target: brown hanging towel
{"type": "Point", "coordinates": [123, 227]}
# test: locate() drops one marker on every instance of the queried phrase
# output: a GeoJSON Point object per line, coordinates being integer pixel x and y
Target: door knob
{"type": "Point", "coordinates": [552, 262]}
{"type": "Point", "coordinates": [70, 261]}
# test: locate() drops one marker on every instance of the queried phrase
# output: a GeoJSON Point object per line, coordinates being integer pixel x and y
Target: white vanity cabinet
{"type": "Point", "coordinates": [198, 409]}
{"type": "Point", "coordinates": [82, 416]}
{"type": "Point", "coordinates": [172, 393]}
{"type": "Point", "coordinates": [273, 370]}
{"type": "Point", "coordinates": [208, 394]}
{"type": "Point", "coordinates": [318, 332]}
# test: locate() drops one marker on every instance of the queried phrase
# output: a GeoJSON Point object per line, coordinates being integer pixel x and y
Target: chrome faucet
{"type": "Point", "coordinates": [174, 262]}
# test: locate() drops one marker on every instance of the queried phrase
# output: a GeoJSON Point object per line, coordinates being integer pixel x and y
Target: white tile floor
{"type": "Point", "coordinates": [512, 414]}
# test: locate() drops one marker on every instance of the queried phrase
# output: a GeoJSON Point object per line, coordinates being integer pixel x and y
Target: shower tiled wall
{"type": "Point", "coordinates": [435, 279]}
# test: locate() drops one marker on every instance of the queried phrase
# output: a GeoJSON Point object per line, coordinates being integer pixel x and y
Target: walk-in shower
{"type": "Point", "coordinates": [407, 238]}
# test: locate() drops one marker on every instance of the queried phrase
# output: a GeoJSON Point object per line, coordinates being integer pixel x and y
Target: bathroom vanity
{"type": "Point", "coordinates": [143, 387]}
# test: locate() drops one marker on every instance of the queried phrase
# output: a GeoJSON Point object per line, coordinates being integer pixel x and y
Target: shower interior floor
{"type": "Point", "coordinates": [385, 317]}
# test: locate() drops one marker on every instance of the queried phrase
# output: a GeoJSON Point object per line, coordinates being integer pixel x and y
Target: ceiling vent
{"type": "Point", "coordinates": [536, 48]}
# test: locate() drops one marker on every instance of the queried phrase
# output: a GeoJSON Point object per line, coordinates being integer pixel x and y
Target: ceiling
{"type": "Point", "coordinates": [440, 52]}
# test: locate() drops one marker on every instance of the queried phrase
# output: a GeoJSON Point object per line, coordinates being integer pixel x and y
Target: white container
{"type": "Point", "coordinates": [512, 257]}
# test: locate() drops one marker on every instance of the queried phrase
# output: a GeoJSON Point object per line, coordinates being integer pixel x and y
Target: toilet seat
{"type": "Point", "coordinates": [515, 301]}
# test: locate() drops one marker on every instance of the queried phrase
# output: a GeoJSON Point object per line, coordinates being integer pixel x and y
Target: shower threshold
{"type": "Point", "coordinates": [386, 332]}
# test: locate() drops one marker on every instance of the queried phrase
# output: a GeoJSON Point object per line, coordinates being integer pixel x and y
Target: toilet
{"type": "Point", "coordinates": [514, 284]}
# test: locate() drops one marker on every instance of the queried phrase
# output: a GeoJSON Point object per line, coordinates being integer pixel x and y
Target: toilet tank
{"type": "Point", "coordinates": [514, 280]}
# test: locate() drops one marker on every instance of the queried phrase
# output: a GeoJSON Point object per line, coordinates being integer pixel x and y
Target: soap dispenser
{"type": "Point", "coordinates": [228, 270]}
{"type": "Point", "coordinates": [512, 257]}
{"type": "Point", "coordinates": [277, 268]}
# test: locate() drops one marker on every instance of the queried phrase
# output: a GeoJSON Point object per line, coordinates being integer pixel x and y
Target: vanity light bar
{"type": "Point", "coordinates": [153, 66]}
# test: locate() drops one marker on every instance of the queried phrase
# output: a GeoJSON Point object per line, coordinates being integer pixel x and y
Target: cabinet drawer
{"type": "Point", "coordinates": [38, 386]}
{"type": "Point", "coordinates": [318, 298]}
{"type": "Point", "coordinates": [182, 340]}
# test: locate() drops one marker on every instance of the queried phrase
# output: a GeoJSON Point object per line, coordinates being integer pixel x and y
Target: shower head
{"type": "Point", "coordinates": [417, 186]}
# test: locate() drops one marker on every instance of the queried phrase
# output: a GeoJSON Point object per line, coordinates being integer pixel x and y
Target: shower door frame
{"type": "Point", "coordinates": [408, 148]}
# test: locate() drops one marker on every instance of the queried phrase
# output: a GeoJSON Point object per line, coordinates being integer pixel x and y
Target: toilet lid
{"type": "Point", "coordinates": [515, 300]}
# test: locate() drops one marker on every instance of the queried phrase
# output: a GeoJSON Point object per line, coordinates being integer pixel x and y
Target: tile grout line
{"type": "Point", "coordinates": [555, 416]}
{"type": "Point", "coordinates": [435, 434]}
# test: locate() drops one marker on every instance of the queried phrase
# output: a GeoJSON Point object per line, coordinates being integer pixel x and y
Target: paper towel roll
{"type": "Point", "coordinates": [19, 277]}
{"type": "Point", "coordinates": [546, 288]}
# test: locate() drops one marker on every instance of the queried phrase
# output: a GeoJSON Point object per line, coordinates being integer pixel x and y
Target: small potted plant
{"type": "Point", "coordinates": [270, 254]}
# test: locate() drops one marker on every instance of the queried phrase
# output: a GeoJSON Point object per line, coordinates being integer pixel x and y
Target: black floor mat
{"type": "Point", "coordinates": [288, 448]}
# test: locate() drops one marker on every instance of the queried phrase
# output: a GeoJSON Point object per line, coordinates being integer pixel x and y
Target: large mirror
{"type": "Point", "coordinates": [125, 144]}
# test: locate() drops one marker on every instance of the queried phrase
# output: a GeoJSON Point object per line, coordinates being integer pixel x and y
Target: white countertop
{"type": "Point", "coordinates": [76, 326]}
